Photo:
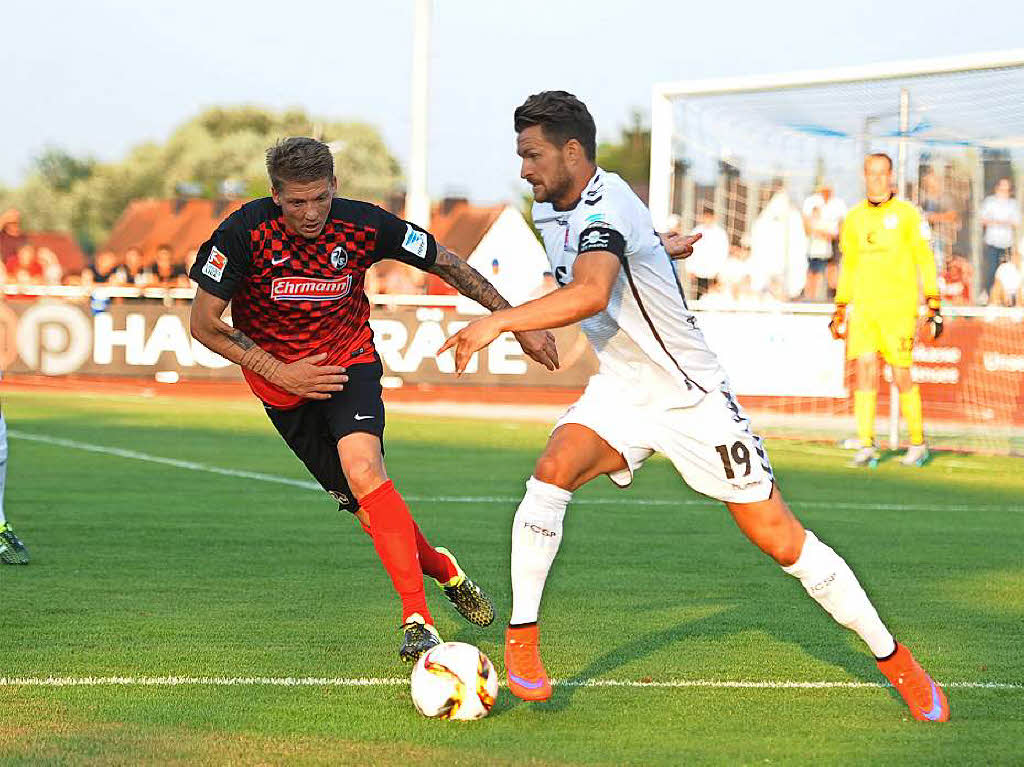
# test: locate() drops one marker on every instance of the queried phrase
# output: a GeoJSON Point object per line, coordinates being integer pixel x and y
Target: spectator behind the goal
{"type": "Point", "coordinates": [24, 268]}
{"type": "Point", "coordinates": [136, 270]}
{"type": "Point", "coordinates": [709, 252]}
{"type": "Point", "coordinates": [956, 279]}
{"type": "Point", "coordinates": [778, 249]}
{"type": "Point", "coordinates": [1000, 215]}
{"type": "Point", "coordinates": [106, 269]}
{"type": "Point", "coordinates": [1008, 283]}
{"type": "Point", "coordinates": [731, 288]}
{"type": "Point", "coordinates": [168, 273]}
{"type": "Point", "coordinates": [823, 214]}
{"type": "Point", "coordinates": [52, 271]}
{"type": "Point", "coordinates": [940, 214]}
{"type": "Point", "coordinates": [11, 237]}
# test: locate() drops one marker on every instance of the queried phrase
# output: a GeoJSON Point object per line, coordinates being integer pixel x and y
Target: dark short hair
{"type": "Point", "coordinates": [881, 155]}
{"type": "Point", "coordinates": [300, 159]}
{"type": "Point", "coordinates": [561, 117]}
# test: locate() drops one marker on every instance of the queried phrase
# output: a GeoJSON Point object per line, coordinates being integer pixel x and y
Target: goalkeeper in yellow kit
{"type": "Point", "coordinates": [886, 264]}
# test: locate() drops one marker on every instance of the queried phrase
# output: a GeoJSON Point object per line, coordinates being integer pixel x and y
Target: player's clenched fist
{"type": "Point", "coordinates": [471, 339]}
{"type": "Point", "coordinates": [308, 378]}
{"type": "Point", "coordinates": [838, 324]}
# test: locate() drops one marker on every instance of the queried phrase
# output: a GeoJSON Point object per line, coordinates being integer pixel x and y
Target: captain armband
{"type": "Point", "coordinates": [602, 238]}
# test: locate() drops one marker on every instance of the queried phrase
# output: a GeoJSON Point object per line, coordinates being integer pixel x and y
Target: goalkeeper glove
{"type": "Point", "coordinates": [934, 320]}
{"type": "Point", "coordinates": [838, 324]}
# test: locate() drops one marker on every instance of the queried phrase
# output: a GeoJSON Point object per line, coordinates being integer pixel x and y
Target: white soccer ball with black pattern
{"type": "Point", "coordinates": [454, 680]}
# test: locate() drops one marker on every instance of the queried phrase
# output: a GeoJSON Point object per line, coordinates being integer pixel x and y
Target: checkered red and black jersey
{"type": "Point", "coordinates": [296, 297]}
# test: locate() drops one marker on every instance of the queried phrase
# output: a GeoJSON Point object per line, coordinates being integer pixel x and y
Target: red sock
{"type": "Point", "coordinates": [394, 538]}
{"type": "Point", "coordinates": [432, 563]}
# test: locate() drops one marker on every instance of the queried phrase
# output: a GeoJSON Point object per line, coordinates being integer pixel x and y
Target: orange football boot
{"type": "Point", "coordinates": [527, 678]}
{"type": "Point", "coordinates": [926, 700]}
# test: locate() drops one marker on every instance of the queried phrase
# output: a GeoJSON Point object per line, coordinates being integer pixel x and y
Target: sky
{"type": "Point", "coordinates": [98, 78]}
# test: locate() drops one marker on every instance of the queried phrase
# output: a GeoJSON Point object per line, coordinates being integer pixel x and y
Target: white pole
{"type": "Point", "coordinates": [417, 201]}
{"type": "Point", "coordinates": [660, 192]}
{"type": "Point", "coordinates": [901, 183]}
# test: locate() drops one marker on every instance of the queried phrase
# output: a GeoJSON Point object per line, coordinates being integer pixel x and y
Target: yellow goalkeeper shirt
{"type": "Point", "coordinates": [884, 254]}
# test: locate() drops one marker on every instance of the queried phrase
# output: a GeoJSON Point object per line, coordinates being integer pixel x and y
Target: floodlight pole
{"type": "Point", "coordinates": [901, 188]}
{"type": "Point", "coordinates": [417, 201]}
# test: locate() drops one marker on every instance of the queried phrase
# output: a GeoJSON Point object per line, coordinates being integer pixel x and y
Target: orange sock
{"type": "Point", "coordinates": [394, 538]}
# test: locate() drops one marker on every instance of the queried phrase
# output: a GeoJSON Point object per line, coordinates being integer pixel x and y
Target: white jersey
{"type": "Point", "coordinates": [646, 336]}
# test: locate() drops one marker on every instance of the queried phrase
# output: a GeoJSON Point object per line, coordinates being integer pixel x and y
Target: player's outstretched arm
{"type": "Point", "coordinates": [540, 346]}
{"type": "Point", "coordinates": [594, 276]}
{"type": "Point", "coordinates": [305, 377]}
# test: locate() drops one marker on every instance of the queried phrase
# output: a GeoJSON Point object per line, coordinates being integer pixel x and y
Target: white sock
{"type": "Point", "coordinates": [832, 584]}
{"type": "Point", "coordinates": [536, 535]}
{"type": "Point", "coordinates": [3, 466]}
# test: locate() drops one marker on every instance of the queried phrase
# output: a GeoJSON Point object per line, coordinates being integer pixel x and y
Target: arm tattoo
{"type": "Point", "coordinates": [253, 357]}
{"type": "Point", "coordinates": [241, 340]}
{"type": "Point", "coordinates": [467, 280]}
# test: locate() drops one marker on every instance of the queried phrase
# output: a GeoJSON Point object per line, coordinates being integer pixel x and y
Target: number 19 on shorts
{"type": "Point", "coordinates": [732, 457]}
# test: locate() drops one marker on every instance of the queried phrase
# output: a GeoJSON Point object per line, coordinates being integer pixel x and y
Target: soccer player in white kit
{"type": "Point", "coordinates": [659, 388]}
{"type": "Point", "coordinates": [12, 550]}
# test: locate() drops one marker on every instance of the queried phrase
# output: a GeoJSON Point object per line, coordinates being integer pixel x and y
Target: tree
{"type": "Point", "coordinates": [60, 170]}
{"type": "Point", "coordinates": [85, 198]}
{"type": "Point", "coordinates": [630, 156]}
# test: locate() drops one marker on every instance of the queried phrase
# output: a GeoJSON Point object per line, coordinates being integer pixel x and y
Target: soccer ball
{"type": "Point", "coordinates": [454, 680]}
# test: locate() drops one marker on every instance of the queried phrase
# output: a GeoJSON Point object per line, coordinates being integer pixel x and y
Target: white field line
{"type": "Point", "coordinates": [629, 500]}
{"type": "Point", "coordinates": [137, 456]}
{"type": "Point", "coordinates": [263, 681]}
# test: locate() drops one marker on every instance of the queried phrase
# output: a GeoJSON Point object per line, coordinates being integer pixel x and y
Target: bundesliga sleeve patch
{"type": "Point", "coordinates": [602, 238]}
{"type": "Point", "coordinates": [214, 266]}
{"type": "Point", "coordinates": [415, 242]}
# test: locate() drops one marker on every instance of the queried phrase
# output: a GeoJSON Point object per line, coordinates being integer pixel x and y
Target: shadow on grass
{"type": "Point", "coordinates": [750, 616]}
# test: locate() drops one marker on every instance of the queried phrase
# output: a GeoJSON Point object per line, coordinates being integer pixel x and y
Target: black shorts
{"type": "Point", "coordinates": [312, 430]}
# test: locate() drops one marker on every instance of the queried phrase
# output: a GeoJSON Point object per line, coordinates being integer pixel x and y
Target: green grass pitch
{"type": "Point", "coordinates": [148, 569]}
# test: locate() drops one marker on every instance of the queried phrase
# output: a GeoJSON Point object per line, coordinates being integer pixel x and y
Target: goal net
{"type": "Point", "coordinates": [772, 161]}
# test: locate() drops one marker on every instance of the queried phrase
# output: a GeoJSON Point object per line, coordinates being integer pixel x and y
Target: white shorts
{"type": "Point", "coordinates": [710, 443]}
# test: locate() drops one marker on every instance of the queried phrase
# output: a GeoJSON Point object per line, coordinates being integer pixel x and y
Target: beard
{"type": "Point", "coordinates": [558, 188]}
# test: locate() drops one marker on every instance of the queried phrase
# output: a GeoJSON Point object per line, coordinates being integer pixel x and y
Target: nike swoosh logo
{"type": "Point", "coordinates": [361, 417]}
{"type": "Point", "coordinates": [936, 711]}
{"type": "Point", "coordinates": [525, 683]}
{"type": "Point", "coordinates": [278, 261]}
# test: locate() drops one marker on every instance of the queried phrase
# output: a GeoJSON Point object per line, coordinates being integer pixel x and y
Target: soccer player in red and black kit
{"type": "Point", "coordinates": [292, 267]}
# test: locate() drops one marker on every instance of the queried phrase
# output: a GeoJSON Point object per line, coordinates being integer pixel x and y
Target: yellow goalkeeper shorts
{"type": "Point", "coordinates": [872, 333]}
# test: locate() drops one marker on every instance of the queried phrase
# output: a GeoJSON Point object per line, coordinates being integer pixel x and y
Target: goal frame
{"type": "Point", "coordinates": [663, 119]}
{"type": "Point", "coordinates": [663, 94]}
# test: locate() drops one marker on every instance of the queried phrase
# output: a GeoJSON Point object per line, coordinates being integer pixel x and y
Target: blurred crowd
{"type": "Point", "coordinates": [792, 252]}
{"type": "Point", "coordinates": [36, 265]}
{"type": "Point", "coordinates": [133, 269]}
